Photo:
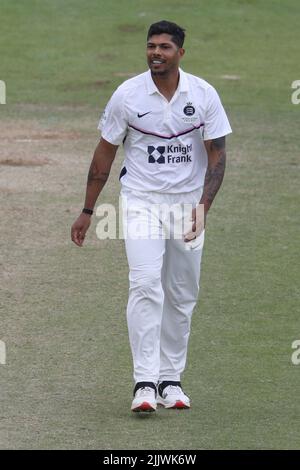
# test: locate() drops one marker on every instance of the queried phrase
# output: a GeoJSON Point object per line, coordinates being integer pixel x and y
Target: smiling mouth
{"type": "Point", "coordinates": [157, 62]}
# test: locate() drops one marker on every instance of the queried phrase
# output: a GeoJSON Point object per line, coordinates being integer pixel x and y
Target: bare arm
{"type": "Point", "coordinates": [99, 171]}
{"type": "Point", "coordinates": [216, 154]}
{"type": "Point", "coordinates": [98, 175]}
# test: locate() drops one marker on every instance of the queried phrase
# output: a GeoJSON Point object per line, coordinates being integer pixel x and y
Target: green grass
{"type": "Point", "coordinates": [63, 315]}
{"type": "Point", "coordinates": [58, 53]}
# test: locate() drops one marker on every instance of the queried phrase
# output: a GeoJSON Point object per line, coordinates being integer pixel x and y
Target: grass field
{"type": "Point", "coordinates": [67, 381]}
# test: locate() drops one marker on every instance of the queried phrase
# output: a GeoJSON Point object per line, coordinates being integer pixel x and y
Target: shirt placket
{"type": "Point", "coordinates": [167, 112]}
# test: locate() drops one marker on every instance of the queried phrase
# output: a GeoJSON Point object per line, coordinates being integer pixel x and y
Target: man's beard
{"type": "Point", "coordinates": [161, 73]}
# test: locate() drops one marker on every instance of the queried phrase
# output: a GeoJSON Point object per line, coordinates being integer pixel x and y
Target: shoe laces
{"type": "Point", "coordinates": [173, 390]}
{"type": "Point", "coordinates": [144, 391]}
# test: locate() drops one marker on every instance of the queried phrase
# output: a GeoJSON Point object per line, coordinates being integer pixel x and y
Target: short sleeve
{"type": "Point", "coordinates": [216, 123]}
{"type": "Point", "coordinates": [113, 124]}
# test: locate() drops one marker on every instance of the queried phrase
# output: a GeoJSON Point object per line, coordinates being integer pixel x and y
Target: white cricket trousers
{"type": "Point", "coordinates": [164, 275]}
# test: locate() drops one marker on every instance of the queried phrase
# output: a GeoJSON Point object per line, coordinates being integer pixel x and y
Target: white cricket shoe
{"type": "Point", "coordinates": [171, 395]}
{"type": "Point", "coordinates": [144, 398]}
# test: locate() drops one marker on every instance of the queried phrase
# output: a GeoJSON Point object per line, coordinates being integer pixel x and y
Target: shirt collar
{"type": "Point", "coordinates": [182, 86]}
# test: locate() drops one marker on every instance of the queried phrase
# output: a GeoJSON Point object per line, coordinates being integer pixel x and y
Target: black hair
{"type": "Point", "coordinates": [167, 27]}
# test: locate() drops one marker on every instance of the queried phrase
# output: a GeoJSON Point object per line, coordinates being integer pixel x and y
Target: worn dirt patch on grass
{"type": "Point", "coordinates": [28, 144]}
{"type": "Point", "coordinates": [13, 161]}
{"type": "Point", "coordinates": [27, 131]}
{"type": "Point", "coordinates": [25, 149]}
{"type": "Point", "coordinates": [231, 77]}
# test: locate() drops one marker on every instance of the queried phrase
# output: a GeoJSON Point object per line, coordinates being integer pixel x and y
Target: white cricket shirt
{"type": "Point", "coordinates": [163, 141]}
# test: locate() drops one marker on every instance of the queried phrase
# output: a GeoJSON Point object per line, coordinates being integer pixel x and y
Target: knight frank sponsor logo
{"type": "Point", "coordinates": [170, 154]}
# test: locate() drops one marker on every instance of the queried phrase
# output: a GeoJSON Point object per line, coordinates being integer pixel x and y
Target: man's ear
{"type": "Point", "coordinates": [181, 51]}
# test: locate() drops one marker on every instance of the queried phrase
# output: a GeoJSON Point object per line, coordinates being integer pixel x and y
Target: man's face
{"type": "Point", "coordinates": [163, 55]}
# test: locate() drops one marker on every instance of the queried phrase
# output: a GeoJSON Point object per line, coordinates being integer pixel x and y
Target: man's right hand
{"type": "Point", "coordinates": [79, 228]}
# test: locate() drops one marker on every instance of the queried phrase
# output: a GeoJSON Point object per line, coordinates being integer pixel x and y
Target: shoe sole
{"type": "Point", "coordinates": [144, 407]}
{"type": "Point", "coordinates": [178, 405]}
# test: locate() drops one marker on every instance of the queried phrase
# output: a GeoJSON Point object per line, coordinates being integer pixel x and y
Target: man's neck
{"type": "Point", "coordinates": [167, 84]}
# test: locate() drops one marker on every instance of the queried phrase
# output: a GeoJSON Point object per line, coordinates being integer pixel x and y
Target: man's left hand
{"type": "Point", "coordinates": [198, 220]}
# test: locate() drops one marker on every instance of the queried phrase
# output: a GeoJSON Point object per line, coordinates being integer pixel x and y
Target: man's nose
{"type": "Point", "coordinates": [157, 50]}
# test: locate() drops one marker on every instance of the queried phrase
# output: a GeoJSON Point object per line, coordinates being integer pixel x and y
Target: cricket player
{"type": "Point", "coordinates": [172, 126]}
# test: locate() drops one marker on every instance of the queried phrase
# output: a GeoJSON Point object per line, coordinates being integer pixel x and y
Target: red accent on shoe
{"type": "Point", "coordinates": [145, 406]}
{"type": "Point", "coordinates": [179, 405]}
